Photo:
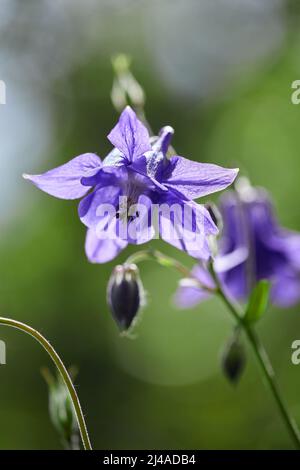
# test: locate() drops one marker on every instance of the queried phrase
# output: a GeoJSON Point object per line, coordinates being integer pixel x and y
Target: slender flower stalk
{"type": "Point", "coordinates": [234, 309]}
{"type": "Point", "coordinates": [262, 358]}
{"type": "Point", "coordinates": [62, 370]}
{"type": "Point", "coordinates": [167, 261]}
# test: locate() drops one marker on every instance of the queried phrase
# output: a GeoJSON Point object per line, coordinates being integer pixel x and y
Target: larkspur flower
{"type": "Point", "coordinates": [136, 174]}
{"type": "Point", "coordinates": [252, 247]}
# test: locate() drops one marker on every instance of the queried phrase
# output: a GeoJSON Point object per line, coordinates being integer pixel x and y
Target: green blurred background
{"type": "Point", "coordinates": [220, 73]}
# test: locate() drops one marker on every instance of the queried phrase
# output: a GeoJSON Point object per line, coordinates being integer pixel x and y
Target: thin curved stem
{"type": "Point", "coordinates": [263, 360]}
{"type": "Point", "coordinates": [167, 261]}
{"type": "Point", "coordinates": [62, 370]}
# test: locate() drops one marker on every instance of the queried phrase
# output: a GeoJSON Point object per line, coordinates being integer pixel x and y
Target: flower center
{"type": "Point", "coordinates": [133, 187]}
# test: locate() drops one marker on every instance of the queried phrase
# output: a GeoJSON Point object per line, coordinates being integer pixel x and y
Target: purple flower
{"type": "Point", "coordinates": [121, 192]}
{"type": "Point", "coordinates": [252, 247]}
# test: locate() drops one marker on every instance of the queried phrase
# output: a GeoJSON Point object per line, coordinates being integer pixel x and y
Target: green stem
{"type": "Point", "coordinates": [62, 370]}
{"type": "Point", "coordinates": [167, 261]}
{"type": "Point", "coordinates": [236, 312]}
{"type": "Point", "coordinates": [263, 360]}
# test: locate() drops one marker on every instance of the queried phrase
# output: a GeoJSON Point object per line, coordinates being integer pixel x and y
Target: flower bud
{"type": "Point", "coordinates": [126, 90]}
{"type": "Point", "coordinates": [125, 295]}
{"type": "Point", "coordinates": [61, 410]}
{"type": "Point", "coordinates": [233, 358]}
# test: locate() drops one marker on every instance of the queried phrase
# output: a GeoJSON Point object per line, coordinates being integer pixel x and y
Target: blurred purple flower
{"type": "Point", "coordinates": [137, 174]}
{"type": "Point", "coordinates": [252, 247]}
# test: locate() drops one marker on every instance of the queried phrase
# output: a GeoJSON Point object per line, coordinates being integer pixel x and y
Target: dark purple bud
{"type": "Point", "coordinates": [233, 358]}
{"type": "Point", "coordinates": [125, 295]}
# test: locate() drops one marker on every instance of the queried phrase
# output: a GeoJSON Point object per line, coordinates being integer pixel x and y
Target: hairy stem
{"type": "Point", "coordinates": [62, 370]}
